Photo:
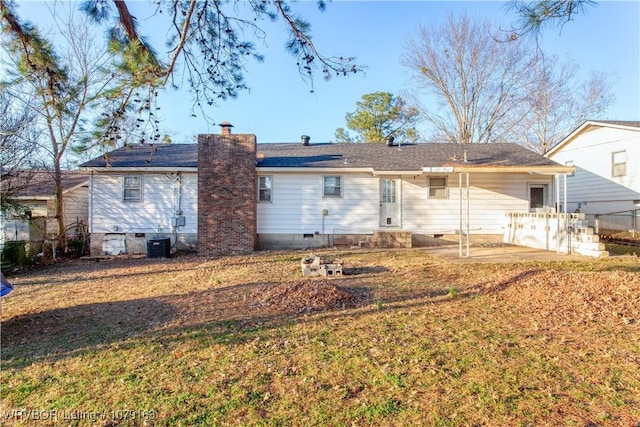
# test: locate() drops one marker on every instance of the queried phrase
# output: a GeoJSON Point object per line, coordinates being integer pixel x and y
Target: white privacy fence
{"type": "Point", "coordinates": [563, 233]}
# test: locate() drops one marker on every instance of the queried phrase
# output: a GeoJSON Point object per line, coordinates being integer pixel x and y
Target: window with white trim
{"type": "Point", "coordinates": [619, 163]}
{"type": "Point", "coordinates": [132, 189]}
{"type": "Point", "coordinates": [438, 187]}
{"type": "Point", "coordinates": [265, 189]}
{"type": "Point", "coordinates": [332, 186]}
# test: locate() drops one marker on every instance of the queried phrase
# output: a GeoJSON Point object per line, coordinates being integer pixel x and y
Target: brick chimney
{"type": "Point", "coordinates": [225, 128]}
{"type": "Point", "coordinates": [227, 206]}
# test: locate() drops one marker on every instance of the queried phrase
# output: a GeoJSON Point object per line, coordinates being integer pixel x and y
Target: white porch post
{"type": "Point", "coordinates": [566, 217]}
{"type": "Point", "coordinates": [463, 214]}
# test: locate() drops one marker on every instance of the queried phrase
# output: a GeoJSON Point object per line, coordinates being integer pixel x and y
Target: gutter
{"type": "Point", "coordinates": [533, 170]}
{"type": "Point", "coordinates": [541, 170]}
{"type": "Point", "coordinates": [164, 169]}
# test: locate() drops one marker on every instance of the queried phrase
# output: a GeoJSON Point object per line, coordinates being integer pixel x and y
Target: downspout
{"type": "Point", "coordinates": [90, 216]}
{"type": "Point", "coordinates": [557, 202]}
{"type": "Point", "coordinates": [460, 215]}
{"type": "Point", "coordinates": [178, 212]}
{"type": "Point", "coordinates": [567, 217]}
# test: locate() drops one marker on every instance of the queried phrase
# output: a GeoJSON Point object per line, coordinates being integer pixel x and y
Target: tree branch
{"type": "Point", "coordinates": [183, 38]}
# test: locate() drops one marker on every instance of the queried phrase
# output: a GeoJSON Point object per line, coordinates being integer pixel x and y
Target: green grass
{"type": "Point", "coordinates": [615, 249]}
{"type": "Point", "coordinates": [452, 345]}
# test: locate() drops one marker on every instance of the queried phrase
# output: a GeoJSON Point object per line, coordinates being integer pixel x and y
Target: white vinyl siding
{"type": "Point", "coordinates": [591, 152]}
{"type": "Point", "coordinates": [490, 197]}
{"type": "Point", "coordinates": [300, 202]}
{"type": "Point", "coordinates": [162, 200]}
{"type": "Point", "coordinates": [76, 208]}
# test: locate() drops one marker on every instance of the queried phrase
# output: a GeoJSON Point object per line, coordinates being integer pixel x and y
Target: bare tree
{"type": "Point", "coordinates": [16, 150]}
{"type": "Point", "coordinates": [557, 102]}
{"type": "Point", "coordinates": [474, 79]}
{"type": "Point", "coordinates": [60, 91]}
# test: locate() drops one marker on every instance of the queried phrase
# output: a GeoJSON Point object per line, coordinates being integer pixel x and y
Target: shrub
{"type": "Point", "coordinates": [77, 247]}
{"type": "Point", "coordinates": [15, 254]}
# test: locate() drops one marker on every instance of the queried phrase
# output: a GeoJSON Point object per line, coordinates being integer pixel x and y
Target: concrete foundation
{"type": "Point", "coordinates": [377, 239]}
{"type": "Point", "coordinates": [136, 243]}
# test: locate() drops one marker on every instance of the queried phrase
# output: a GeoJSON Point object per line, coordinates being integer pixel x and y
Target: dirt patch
{"type": "Point", "coordinates": [306, 295]}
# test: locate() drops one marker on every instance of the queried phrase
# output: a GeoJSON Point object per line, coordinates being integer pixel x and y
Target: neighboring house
{"type": "Point", "coordinates": [606, 183]}
{"type": "Point", "coordinates": [228, 194]}
{"type": "Point", "coordinates": [33, 191]}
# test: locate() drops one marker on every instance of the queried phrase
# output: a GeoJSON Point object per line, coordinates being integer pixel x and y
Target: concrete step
{"type": "Point", "coordinates": [585, 237]}
{"type": "Point", "coordinates": [590, 253]}
{"type": "Point", "coordinates": [588, 246]}
{"type": "Point", "coordinates": [584, 230]}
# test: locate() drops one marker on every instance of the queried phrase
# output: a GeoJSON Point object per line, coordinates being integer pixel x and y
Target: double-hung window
{"type": "Point", "coordinates": [619, 163]}
{"type": "Point", "coordinates": [438, 187]}
{"type": "Point", "coordinates": [265, 189]}
{"type": "Point", "coordinates": [132, 189]}
{"type": "Point", "coordinates": [332, 186]}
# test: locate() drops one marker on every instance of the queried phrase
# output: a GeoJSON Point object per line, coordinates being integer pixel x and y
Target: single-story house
{"type": "Point", "coordinates": [229, 194]}
{"type": "Point", "coordinates": [606, 182]}
{"type": "Point", "coordinates": [33, 191]}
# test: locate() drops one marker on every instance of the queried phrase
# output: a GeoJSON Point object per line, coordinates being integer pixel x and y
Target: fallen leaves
{"type": "Point", "coordinates": [561, 297]}
{"type": "Point", "coordinates": [305, 296]}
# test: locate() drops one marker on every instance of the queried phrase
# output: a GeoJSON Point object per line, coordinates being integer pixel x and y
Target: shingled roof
{"type": "Point", "coordinates": [38, 184]}
{"type": "Point", "coordinates": [409, 157]}
{"type": "Point", "coordinates": [379, 157]}
{"type": "Point", "coordinates": [147, 155]}
{"type": "Point", "coordinates": [629, 123]}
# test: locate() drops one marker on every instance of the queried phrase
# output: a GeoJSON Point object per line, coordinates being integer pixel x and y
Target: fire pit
{"type": "Point", "coordinates": [315, 265]}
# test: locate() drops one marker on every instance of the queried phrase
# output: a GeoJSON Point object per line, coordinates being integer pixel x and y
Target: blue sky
{"type": "Point", "coordinates": [280, 108]}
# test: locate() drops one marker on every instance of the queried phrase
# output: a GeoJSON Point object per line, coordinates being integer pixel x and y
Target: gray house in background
{"type": "Point", "coordinates": [606, 183]}
{"type": "Point", "coordinates": [228, 188]}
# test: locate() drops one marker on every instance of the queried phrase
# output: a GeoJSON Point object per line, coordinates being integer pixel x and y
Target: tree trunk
{"type": "Point", "coordinates": [59, 204]}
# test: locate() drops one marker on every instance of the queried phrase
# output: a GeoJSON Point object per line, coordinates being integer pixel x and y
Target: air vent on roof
{"type": "Point", "coordinates": [305, 139]}
{"type": "Point", "coordinates": [389, 141]}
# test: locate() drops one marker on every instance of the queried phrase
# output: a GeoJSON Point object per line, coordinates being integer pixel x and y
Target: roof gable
{"type": "Point", "coordinates": [589, 125]}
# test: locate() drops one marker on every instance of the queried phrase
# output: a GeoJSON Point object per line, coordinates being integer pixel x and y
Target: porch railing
{"type": "Point", "coordinates": [548, 231]}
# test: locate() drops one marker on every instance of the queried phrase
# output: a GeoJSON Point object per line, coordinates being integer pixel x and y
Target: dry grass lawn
{"type": "Point", "coordinates": [401, 339]}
